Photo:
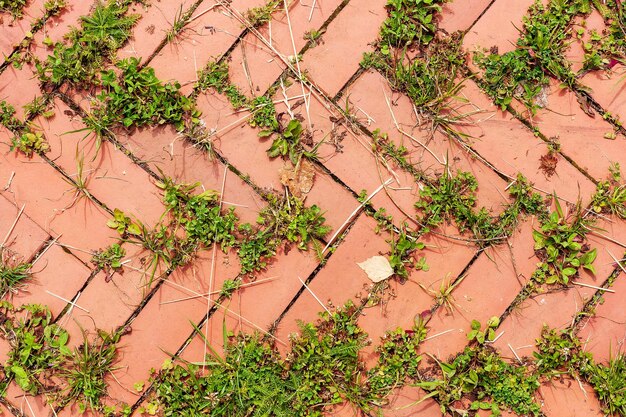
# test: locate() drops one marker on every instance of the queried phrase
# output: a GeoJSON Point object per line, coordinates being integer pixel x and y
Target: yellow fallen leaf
{"type": "Point", "coordinates": [377, 268]}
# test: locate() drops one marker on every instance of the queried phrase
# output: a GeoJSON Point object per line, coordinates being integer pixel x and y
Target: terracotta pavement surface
{"type": "Point", "coordinates": [59, 232]}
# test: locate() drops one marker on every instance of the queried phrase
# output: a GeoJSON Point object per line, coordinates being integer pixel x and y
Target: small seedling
{"type": "Point", "coordinates": [258, 16]}
{"type": "Point", "coordinates": [561, 246]}
{"type": "Point", "coordinates": [401, 259]}
{"type": "Point", "coordinates": [123, 224]}
{"type": "Point", "coordinates": [39, 106]}
{"type": "Point", "coordinates": [288, 143]}
{"type": "Point", "coordinates": [29, 143]}
{"type": "Point", "coordinates": [313, 36]}
{"type": "Point", "coordinates": [110, 259]}
{"type": "Point", "coordinates": [488, 335]}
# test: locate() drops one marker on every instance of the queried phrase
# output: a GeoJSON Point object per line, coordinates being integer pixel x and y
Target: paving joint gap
{"type": "Point", "coordinates": [12, 408]}
{"type": "Point", "coordinates": [597, 297]}
{"type": "Point", "coordinates": [146, 393]}
{"type": "Point", "coordinates": [274, 326]}
{"type": "Point", "coordinates": [479, 16]}
{"type": "Point", "coordinates": [67, 307]}
{"type": "Point", "coordinates": [188, 14]}
{"type": "Point", "coordinates": [349, 83]}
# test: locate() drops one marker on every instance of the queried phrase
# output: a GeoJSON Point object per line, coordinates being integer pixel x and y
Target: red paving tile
{"type": "Point", "coordinates": [19, 87]}
{"type": "Point", "coordinates": [347, 37]}
{"type": "Point", "coordinates": [108, 301]}
{"type": "Point", "coordinates": [445, 255]}
{"type": "Point", "coordinates": [409, 401]}
{"type": "Point", "coordinates": [56, 27]}
{"type": "Point", "coordinates": [605, 333]}
{"type": "Point", "coordinates": [150, 31]}
{"type": "Point", "coordinates": [568, 397]}
{"type": "Point", "coordinates": [509, 145]}
{"type": "Point", "coordinates": [506, 267]}
{"type": "Point", "coordinates": [260, 305]}
{"type": "Point", "coordinates": [378, 107]}
{"type": "Point", "coordinates": [14, 30]}
{"type": "Point", "coordinates": [460, 15]}
{"type": "Point", "coordinates": [207, 36]}
{"type": "Point", "coordinates": [254, 66]}
{"type": "Point", "coordinates": [349, 156]}
{"type": "Point", "coordinates": [110, 176]}
{"type": "Point", "coordinates": [53, 205]}
{"type": "Point", "coordinates": [507, 17]}
{"type": "Point", "coordinates": [26, 237]}
{"type": "Point", "coordinates": [28, 405]}
{"type": "Point", "coordinates": [82, 225]}
{"type": "Point", "coordinates": [582, 138]}
{"type": "Point", "coordinates": [57, 275]}
{"type": "Point", "coordinates": [608, 90]}
{"type": "Point", "coordinates": [341, 279]}
{"type": "Point", "coordinates": [52, 208]}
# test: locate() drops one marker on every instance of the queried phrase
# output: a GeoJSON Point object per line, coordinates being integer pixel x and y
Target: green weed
{"type": "Point", "coordinates": [100, 35]}
{"type": "Point", "coordinates": [287, 143]}
{"type": "Point", "coordinates": [561, 246]}
{"type": "Point", "coordinates": [37, 346]}
{"type": "Point", "coordinates": [38, 106]}
{"type": "Point", "coordinates": [123, 224]}
{"type": "Point", "coordinates": [606, 49]}
{"type": "Point", "coordinates": [313, 36]}
{"type": "Point", "coordinates": [398, 360]}
{"type": "Point", "coordinates": [138, 98]}
{"type": "Point", "coordinates": [8, 119]}
{"type": "Point", "coordinates": [30, 142]}
{"type": "Point", "coordinates": [560, 351]}
{"type": "Point", "coordinates": [401, 259]}
{"type": "Point", "coordinates": [263, 113]}
{"type": "Point", "coordinates": [14, 7]}
{"type": "Point", "coordinates": [181, 19]}
{"type": "Point", "coordinates": [258, 16]}
{"type": "Point", "coordinates": [609, 382]}
{"type": "Point", "coordinates": [524, 72]}
{"type": "Point", "coordinates": [321, 369]}
{"type": "Point", "coordinates": [430, 79]}
{"type": "Point", "coordinates": [109, 259]}
{"type": "Point", "coordinates": [214, 75]}
{"type": "Point", "coordinates": [454, 198]}
{"type": "Point", "coordinates": [282, 221]}
{"type": "Point", "coordinates": [610, 196]}
{"type": "Point", "coordinates": [409, 21]}
{"type": "Point", "coordinates": [481, 375]}
{"type": "Point", "coordinates": [289, 219]}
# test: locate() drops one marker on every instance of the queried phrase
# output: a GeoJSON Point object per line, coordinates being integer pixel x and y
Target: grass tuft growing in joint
{"type": "Point", "coordinates": [13, 274]}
